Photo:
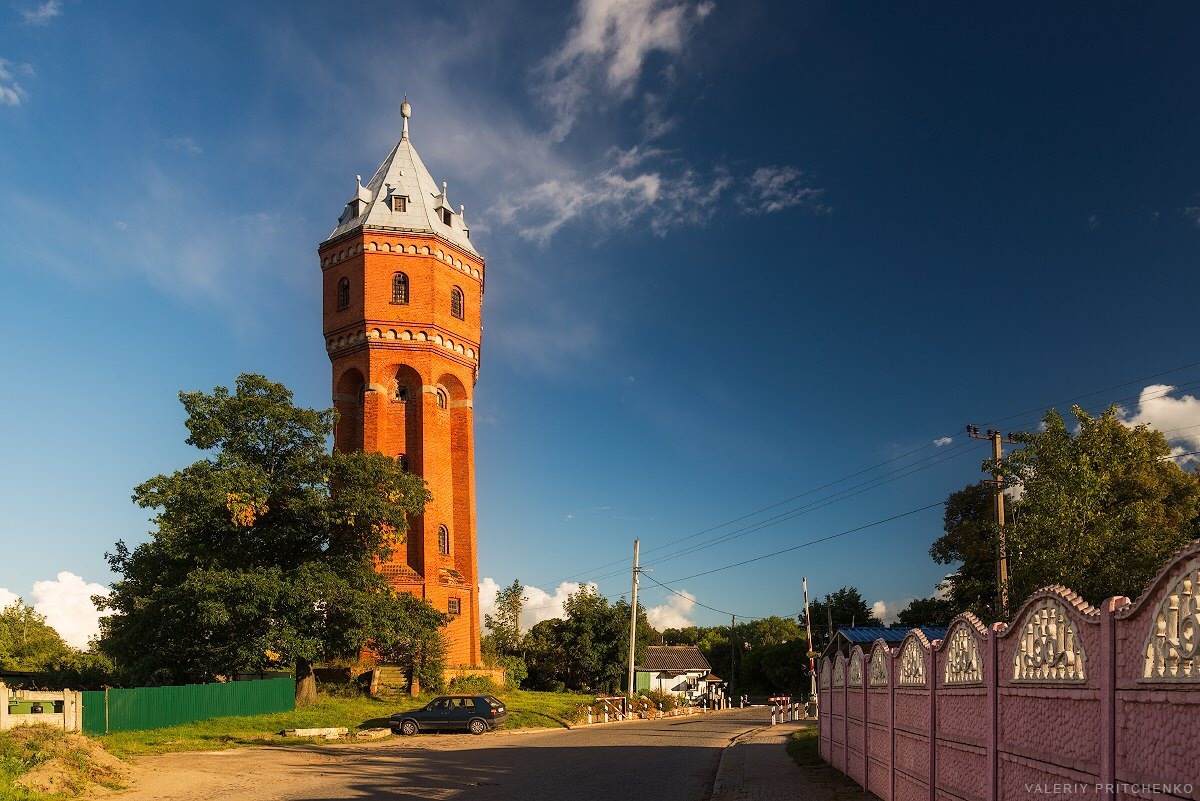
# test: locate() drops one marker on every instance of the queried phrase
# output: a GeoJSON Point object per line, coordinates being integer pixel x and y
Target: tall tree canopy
{"type": "Point", "coordinates": [27, 641]}
{"type": "Point", "coordinates": [264, 552]}
{"type": "Point", "coordinates": [1100, 510]}
{"type": "Point", "coordinates": [842, 608]}
{"type": "Point", "coordinates": [588, 649]}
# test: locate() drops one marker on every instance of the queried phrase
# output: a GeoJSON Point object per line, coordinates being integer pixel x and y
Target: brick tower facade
{"type": "Point", "coordinates": [402, 294]}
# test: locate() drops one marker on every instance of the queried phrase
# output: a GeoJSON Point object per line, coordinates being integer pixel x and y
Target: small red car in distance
{"type": "Point", "coordinates": [473, 713]}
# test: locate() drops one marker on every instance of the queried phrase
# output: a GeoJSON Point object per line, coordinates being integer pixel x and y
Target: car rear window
{"type": "Point", "coordinates": [493, 701]}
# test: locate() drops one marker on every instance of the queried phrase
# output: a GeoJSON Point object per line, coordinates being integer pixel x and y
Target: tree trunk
{"type": "Point", "coordinates": [306, 683]}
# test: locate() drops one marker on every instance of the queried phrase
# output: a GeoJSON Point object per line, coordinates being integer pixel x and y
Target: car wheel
{"type": "Point", "coordinates": [477, 726]}
{"type": "Point", "coordinates": [408, 728]}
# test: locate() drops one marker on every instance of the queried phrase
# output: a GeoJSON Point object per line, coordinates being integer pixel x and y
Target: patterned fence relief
{"type": "Point", "coordinates": [1067, 701]}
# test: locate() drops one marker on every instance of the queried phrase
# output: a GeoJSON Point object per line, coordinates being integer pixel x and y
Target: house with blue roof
{"type": "Point", "coordinates": [846, 637]}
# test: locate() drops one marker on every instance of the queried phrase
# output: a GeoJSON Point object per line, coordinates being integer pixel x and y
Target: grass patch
{"type": "Point", "coordinates": [39, 762]}
{"type": "Point", "coordinates": [525, 709]}
{"type": "Point", "coordinates": [803, 747]}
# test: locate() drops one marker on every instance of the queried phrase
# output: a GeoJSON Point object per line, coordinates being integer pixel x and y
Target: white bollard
{"type": "Point", "coordinates": [606, 714]}
{"type": "Point", "coordinates": [589, 716]}
{"type": "Point", "coordinates": [772, 714]}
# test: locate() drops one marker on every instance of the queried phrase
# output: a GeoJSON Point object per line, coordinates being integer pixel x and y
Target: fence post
{"type": "Point", "coordinates": [3, 706]}
{"type": "Point", "coordinates": [931, 667]}
{"type": "Point", "coordinates": [890, 661]}
{"type": "Point", "coordinates": [992, 677]}
{"type": "Point", "coordinates": [1108, 689]}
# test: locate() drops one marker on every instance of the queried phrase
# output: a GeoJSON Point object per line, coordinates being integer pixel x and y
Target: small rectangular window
{"type": "Point", "coordinates": [447, 216]}
{"type": "Point", "coordinates": [454, 607]}
{"type": "Point", "coordinates": [399, 203]}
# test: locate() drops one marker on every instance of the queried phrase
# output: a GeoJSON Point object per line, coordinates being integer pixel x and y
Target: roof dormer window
{"type": "Point", "coordinates": [447, 216]}
{"type": "Point", "coordinates": [399, 203]}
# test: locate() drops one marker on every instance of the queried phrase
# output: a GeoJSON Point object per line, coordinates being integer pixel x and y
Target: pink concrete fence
{"type": "Point", "coordinates": [1068, 701]}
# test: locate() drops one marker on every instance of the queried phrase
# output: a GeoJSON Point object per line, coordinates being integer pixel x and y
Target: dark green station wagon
{"type": "Point", "coordinates": [473, 713]}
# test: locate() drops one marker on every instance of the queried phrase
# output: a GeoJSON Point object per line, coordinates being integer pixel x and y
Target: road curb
{"type": "Point", "coordinates": [722, 777]}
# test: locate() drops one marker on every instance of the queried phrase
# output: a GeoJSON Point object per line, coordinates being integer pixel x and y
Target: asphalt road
{"type": "Point", "coordinates": [663, 760]}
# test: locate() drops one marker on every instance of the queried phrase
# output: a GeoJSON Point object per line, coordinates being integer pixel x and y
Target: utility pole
{"type": "Point", "coordinates": [633, 617]}
{"type": "Point", "coordinates": [998, 440]}
{"type": "Point", "coordinates": [812, 666]}
{"type": "Point", "coordinates": [732, 662]}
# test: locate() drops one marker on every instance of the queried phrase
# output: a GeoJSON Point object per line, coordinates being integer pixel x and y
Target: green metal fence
{"type": "Point", "coordinates": [108, 711]}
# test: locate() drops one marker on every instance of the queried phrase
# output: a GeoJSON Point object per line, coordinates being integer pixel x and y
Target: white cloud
{"type": "Point", "coordinates": [11, 93]}
{"type": "Point", "coordinates": [772, 189]}
{"type": "Point", "coordinates": [879, 609]}
{"type": "Point", "coordinates": [603, 54]}
{"type": "Point", "coordinates": [674, 613]}
{"type": "Point", "coordinates": [942, 441]}
{"type": "Point", "coordinates": [66, 602]}
{"type": "Point", "coordinates": [41, 15]}
{"type": "Point", "coordinates": [538, 605]}
{"type": "Point", "coordinates": [7, 598]}
{"type": "Point", "coordinates": [1177, 417]}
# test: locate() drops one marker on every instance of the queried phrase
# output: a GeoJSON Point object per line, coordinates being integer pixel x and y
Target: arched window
{"type": "Point", "coordinates": [402, 393]}
{"type": "Point", "coordinates": [443, 540]}
{"type": "Point", "coordinates": [403, 460]}
{"type": "Point", "coordinates": [343, 296]}
{"type": "Point", "coordinates": [441, 399]}
{"type": "Point", "coordinates": [456, 302]}
{"type": "Point", "coordinates": [399, 288]}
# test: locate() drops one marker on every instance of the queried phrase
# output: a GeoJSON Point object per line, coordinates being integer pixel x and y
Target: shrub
{"type": "Point", "coordinates": [515, 671]}
{"type": "Point", "coordinates": [668, 701]}
{"type": "Point", "coordinates": [473, 685]}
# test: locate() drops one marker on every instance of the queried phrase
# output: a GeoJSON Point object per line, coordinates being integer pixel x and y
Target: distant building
{"type": "Point", "coordinates": [845, 638]}
{"type": "Point", "coordinates": [678, 669]}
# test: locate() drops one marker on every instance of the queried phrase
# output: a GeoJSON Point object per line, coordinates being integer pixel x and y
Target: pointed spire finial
{"type": "Point", "coordinates": [405, 112]}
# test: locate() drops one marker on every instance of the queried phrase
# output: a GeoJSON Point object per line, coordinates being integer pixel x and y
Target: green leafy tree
{"type": "Point", "coordinates": [27, 642]}
{"type": "Point", "coordinates": [505, 625]}
{"type": "Point", "coordinates": [970, 541]}
{"type": "Point", "coordinates": [845, 607]}
{"type": "Point", "coordinates": [1101, 509]}
{"type": "Point", "coordinates": [588, 649]}
{"type": "Point", "coordinates": [264, 552]}
{"type": "Point", "coordinates": [931, 611]}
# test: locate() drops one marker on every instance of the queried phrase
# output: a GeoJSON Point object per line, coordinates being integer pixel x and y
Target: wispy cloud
{"type": "Point", "coordinates": [184, 144]}
{"type": "Point", "coordinates": [41, 14]}
{"type": "Point", "coordinates": [772, 189]}
{"type": "Point", "coordinates": [603, 55]}
{"type": "Point", "coordinates": [11, 93]}
{"type": "Point", "coordinates": [941, 442]}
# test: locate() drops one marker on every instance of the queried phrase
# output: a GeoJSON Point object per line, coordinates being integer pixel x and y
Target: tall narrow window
{"type": "Point", "coordinates": [454, 606]}
{"type": "Point", "coordinates": [399, 288]}
{"type": "Point", "coordinates": [456, 302]}
{"type": "Point", "coordinates": [343, 295]}
{"type": "Point", "coordinates": [443, 540]}
{"type": "Point", "coordinates": [447, 216]}
{"type": "Point", "coordinates": [441, 399]}
{"type": "Point", "coordinates": [403, 462]}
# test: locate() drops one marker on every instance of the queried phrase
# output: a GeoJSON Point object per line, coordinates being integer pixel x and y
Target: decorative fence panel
{"type": "Point", "coordinates": [1067, 701]}
{"type": "Point", "coordinates": [107, 711]}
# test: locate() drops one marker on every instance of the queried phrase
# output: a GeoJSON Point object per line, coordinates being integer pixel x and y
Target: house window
{"type": "Point", "coordinates": [447, 216]}
{"type": "Point", "coordinates": [403, 462]}
{"type": "Point", "coordinates": [343, 293]}
{"type": "Point", "coordinates": [399, 203]}
{"type": "Point", "coordinates": [399, 288]}
{"type": "Point", "coordinates": [456, 302]}
{"type": "Point", "coordinates": [454, 606]}
{"type": "Point", "coordinates": [443, 540]}
{"type": "Point", "coordinates": [441, 399]}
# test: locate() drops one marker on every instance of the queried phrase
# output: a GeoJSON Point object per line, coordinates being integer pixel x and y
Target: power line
{"type": "Point", "coordinates": [871, 483]}
{"type": "Point", "coordinates": [811, 542]}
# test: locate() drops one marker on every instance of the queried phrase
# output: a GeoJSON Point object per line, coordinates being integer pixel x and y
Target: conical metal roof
{"type": "Point", "coordinates": [402, 196]}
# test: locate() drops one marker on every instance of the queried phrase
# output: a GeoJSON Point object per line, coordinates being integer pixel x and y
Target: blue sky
{"type": "Point", "coordinates": [736, 252]}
